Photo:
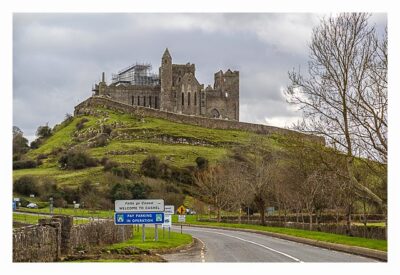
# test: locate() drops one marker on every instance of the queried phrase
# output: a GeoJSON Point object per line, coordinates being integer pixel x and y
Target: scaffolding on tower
{"type": "Point", "coordinates": [137, 74]}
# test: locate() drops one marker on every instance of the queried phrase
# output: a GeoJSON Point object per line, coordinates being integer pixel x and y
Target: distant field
{"type": "Point", "coordinates": [33, 219]}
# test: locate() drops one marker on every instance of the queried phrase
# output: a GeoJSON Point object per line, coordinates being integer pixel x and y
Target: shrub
{"type": "Point", "coordinates": [24, 164]}
{"type": "Point", "coordinates": [26, 185]}
{"type": "Point", "coordinates": [76, 160]}
{"type": "Point", "coordinates": [121, 172]}
{"type": "Point", "coordinates": [81, 123]}
{"type": "Point", "coordinates": [106, 129]}
{"type": "Point", "coordinates": [151, 167]}
{"type": "Point", "coordinates": [140, 191]}
{"type": "Point", "coordinates": [36, 143]}
{"type": "Point", "coordinates": [99, 141]}
{"type": "Point", "coordinates": [202, 163]}
{"type": "Point", "coordinates": [109, 164]}
{"type": "Point", "coordinates": [43, 131]}
{"type": "Point", "coordinates": [41, 156]}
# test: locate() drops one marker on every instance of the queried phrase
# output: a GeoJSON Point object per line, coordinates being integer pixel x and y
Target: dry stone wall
{"type": "Point", "coordinates": [213, 123]}
{"type": "Point", "coordinates": [57, 237]}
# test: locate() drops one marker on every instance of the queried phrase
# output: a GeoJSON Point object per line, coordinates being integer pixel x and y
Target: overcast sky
{"type": "Point", "coordinates": [58, 57]}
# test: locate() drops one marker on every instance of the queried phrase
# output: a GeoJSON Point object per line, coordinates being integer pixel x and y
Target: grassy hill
{"type": "Point", "coordinates": [129, 141]}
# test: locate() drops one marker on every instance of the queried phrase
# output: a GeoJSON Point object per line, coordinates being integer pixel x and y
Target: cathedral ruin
{"type": "Point", "coordinates": [175, 89]}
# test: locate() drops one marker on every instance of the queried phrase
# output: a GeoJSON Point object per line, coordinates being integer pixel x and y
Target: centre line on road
{"type": "Point", "coordinates": [248, 241]}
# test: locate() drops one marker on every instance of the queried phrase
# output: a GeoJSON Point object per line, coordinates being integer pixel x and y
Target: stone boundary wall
{"type": "Point", "coordinates": [35, 244]}
{"type": "Point", "coordinates": [54, 238]}
{"type": "Point", "coordinates": [213, 123]}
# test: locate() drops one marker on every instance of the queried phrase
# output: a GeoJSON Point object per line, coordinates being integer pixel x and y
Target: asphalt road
{"type": "Point", "coordinates": [216, 245]}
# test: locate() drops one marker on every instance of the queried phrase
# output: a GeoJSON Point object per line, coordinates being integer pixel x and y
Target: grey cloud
{"type": "Point", "coordinates": [57, 57]}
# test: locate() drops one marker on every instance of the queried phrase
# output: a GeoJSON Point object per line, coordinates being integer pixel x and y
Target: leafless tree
{"type": "Point", "coordinates": [213, 188]}
{"type": "Point", "coordinates": [344, 96]}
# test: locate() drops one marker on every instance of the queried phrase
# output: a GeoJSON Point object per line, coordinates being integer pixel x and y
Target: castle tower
{"type": "Point", "coordinates": [166, 99]}
{"type": "Point", "coordinates": [227, 84]}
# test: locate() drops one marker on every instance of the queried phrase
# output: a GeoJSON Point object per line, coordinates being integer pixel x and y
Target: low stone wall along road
{"type": "Point", "coordinates": [216, 245]}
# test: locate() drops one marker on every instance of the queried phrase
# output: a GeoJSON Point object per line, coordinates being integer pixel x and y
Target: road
{"type": "Point", "coordinates": [217, 245]}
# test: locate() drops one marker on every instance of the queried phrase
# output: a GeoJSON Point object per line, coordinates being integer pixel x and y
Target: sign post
{"type": "Point", "coordinates": [168, 212]}
{"type": "Point", "coordinates": [135, 212]}
{"type": "Point", "coordinates": [181, 218]}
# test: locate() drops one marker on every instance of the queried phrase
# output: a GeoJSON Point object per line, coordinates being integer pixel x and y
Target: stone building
{"type": "Point", "coordinates": [174, 89]}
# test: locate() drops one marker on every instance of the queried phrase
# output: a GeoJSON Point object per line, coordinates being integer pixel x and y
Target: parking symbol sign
{"type": "Point", "coordinates": [120, 218]}
{"type": "Point", "coordinates": [158, 218]}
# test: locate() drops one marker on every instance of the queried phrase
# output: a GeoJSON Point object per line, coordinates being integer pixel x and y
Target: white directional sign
{"type": "Point", "coordinates": [181, 218]}
{"type": "Point", "coordinates": [139, 206]}
{"type": "Point", "coordinates": [167, 221]}
{"type": "Point", "coordinates": [169, 210]}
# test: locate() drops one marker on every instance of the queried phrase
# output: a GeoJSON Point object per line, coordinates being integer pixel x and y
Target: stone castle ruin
{"type": "Point", "coordinates": [175, 89]}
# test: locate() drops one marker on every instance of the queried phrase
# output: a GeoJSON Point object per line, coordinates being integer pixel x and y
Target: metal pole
{"type": "Point", "coordinates": [169, 232]}
{"type": "Point", "coordinates": [163, 232]}
{"type": "Point", "coordinates": [156, 232]}
{"type": "Point", "coordinates": [181, 228]}
{"type": "Point", "coordinates": [143, 234]}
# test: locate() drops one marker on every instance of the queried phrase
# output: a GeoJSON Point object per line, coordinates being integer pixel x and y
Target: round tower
{"type": "Point", "coordinates": [166, 100]}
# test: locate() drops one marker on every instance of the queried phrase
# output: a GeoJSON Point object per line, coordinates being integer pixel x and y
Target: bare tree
{"type": "Point", "coordinates": [344, 96]}
{"type": "Point", "coordinates": [213, 188]}
{"type": "Point", "coordinates": [237, 186]}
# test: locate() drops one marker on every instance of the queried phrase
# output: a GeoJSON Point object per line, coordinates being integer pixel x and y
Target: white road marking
{"type": "Point", "coordinates": [202, 251]}
{"type": "Point", "coordinates": [248, 241]}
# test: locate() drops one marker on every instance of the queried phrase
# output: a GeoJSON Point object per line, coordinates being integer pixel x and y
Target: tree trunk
{"type": "Point", "coordinates": [311, 220]}
{"type": "Point", "coordinates": [240, 215]}
{"type": "Point", "coordinates": [218, 214]}
{"type": "Point", "coordinates": [262, 215]}
{"type": "Point", "coordinates": [348, 221]}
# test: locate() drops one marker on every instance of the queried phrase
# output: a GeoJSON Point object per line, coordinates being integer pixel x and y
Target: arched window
{"type": "Point", "coordinates": [188, 99]}
{"type": "Point", "coordinates": [195, 98]}
{"type": "Point", "coordinates": [133, 100]}
{"type": "Point", "coordinates": [156, 102]}
{"type": "Point", "coordinates": [150, 101]}
{"type": "Point", "coordinates": [215, 113]}
{"type": "Point", "coordinates": [138, 100]}
{"type": "Point", "coordinates": [144, 101]}
{"type": "Point", "coordinates": [183, 99]}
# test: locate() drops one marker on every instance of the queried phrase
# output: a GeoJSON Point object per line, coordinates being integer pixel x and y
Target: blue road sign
{"type": "Point", "coordinates": [138, 218]}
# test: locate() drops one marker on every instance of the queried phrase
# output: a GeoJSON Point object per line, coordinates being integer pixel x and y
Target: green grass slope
{"type": "Point", "coordinates": [132, 140]}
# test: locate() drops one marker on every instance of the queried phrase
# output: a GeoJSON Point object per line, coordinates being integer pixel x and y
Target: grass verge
{"type": "Point", "coordinates": [164, 242]}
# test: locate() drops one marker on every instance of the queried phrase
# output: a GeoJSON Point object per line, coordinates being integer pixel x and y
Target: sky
{"type": "Point", "coordinates": [57, 57]}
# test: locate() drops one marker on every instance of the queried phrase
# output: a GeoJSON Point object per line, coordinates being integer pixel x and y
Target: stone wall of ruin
{"type": "Point", "coordinates": [212, 123]}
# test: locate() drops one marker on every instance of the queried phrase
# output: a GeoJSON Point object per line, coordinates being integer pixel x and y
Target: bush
{"type": "Point", "coordinates": [106, 129]}
{"type": "Point", "coordinates": [76, 160]}
{"type": "Point", "coordinates": [26, 185]}
{"type": "Point", "coordinates": [24, 164]}
{"type": "Point", "coordinates": [43, 131]}
{"type": "Point", "coordinates": [121, 172]}
{"type": "Point", "coordinates": [81, 124]}
{"type": "Point", "coordinates": [202, 163]}
{"type": "Point", "coordinates": [36, 143]}
{"type": "Point", "coordinates": [140, 191]}
{"type": "Point", "coordinates": [151, 167]}
{"type": "Point", "coordinates": [183, 175]}
{"type": "Point", "coordinates": [109, 164]}
{"type": "Point", "coordinates": [99, 141]}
